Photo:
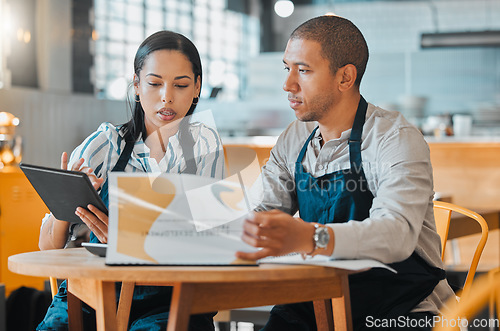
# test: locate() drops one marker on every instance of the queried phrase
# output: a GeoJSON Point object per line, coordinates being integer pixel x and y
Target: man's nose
{"type": "Point", "coordinates": [290, 84]}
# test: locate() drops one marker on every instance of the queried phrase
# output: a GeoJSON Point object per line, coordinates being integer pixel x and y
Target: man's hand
{"type": "Point", "coordinates": [277, 233]}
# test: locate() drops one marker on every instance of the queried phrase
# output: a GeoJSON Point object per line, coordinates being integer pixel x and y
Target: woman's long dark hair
{"type": "Point", "coordinates": [161, 40]}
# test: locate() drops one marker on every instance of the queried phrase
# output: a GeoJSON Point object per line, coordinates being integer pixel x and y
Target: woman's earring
{"type": "Point", "coordinates": [195, 100]}
{"type": "Point", "coordinates": [136, 98]}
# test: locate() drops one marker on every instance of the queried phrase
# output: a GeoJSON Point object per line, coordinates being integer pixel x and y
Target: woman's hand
{"type": "Point", "coordinates": [77, 166]}
{"type": "Point", "coordinates": [277, 233]}
{"type": "Point", "coordinates": [96, 220]}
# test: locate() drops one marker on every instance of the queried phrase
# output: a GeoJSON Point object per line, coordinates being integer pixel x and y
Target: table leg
{"type": "Point", "coordinates": [100, 295]}
{"type": "Point", "coordinates": [341, 307]}
{"type": "Point", "coordinates": [105, 310]}
{"type": "Point", "coordinates": [75, 319]}
{"type": "Point", "coordinates": [124, 305]}
{"type": "Point", "coordinates": [180, 307]}
{"type": "Point", "coordinates": [323, 312]}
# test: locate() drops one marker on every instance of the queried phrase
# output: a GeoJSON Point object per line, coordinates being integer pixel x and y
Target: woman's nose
{"type": "Point", "coordinates": [167, 96]}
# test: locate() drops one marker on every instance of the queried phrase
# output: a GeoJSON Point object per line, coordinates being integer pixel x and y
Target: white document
{"type": "Point", "coordinates": [175, 219]}
{"type": "Point", "coordinates": [325, 261]}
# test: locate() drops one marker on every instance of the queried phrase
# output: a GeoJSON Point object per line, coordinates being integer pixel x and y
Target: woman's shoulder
{"type": "Point", "coordinates": [201, 131]}
{"type": "Point", "coordinates": [106, 133]}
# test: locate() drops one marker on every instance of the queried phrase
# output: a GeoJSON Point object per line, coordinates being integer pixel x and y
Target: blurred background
{"type": "Point", "coordinates": [66, 65]}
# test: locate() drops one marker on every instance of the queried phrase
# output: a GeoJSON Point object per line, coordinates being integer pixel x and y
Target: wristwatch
{"type": "Point", "coordinates": [321, 237]}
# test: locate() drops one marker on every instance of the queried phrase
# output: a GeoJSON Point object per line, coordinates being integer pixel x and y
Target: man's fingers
{"type": "Point", "coordinates": [253, 255]}
{"type": "Point", "coordinates": [257, 230]}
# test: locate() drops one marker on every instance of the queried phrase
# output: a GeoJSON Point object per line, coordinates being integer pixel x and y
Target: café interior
{"type": "Point", "coordinates": [67, 65]}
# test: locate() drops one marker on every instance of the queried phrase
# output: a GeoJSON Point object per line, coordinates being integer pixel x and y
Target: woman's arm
{"type": "Point", "coordinates": [53, 234]}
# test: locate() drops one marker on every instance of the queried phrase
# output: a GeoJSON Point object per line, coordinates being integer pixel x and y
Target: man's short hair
{"type": "Point", "coordinates": [341, 42]}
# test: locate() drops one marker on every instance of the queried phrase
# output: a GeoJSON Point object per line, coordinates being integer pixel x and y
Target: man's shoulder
{"type": "Point", "coordinates": [388, 122]}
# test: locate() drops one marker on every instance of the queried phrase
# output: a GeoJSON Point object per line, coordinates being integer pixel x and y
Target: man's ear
{"type": "Point", "coordinates": [347, 77]}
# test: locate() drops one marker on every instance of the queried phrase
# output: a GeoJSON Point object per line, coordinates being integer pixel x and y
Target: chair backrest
{"type": "Point", "coordinates": [481, 292]}
{"type": "Point", "coordinates": [442, 215]}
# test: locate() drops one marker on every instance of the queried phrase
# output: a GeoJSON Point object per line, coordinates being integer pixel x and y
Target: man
{"type": "Point", "coordinates": [361, 179]}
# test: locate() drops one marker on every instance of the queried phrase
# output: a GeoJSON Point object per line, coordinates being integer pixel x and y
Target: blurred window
{"type": "Point", "coordinates": [225, 40]}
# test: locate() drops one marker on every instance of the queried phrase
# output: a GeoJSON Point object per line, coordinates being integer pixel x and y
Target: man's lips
{"type": "Point", "coordinates": [294, 102]}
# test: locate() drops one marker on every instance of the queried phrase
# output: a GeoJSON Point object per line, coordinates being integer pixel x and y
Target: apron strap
{"type": "Point", "coordinates": [298, 163]}
{"type": "Point", "coordinates": [187, 144]}
{"type": "Point", "coordinates": [125, 155]}
{"type": "Point", "coordinates": [356, 132]}
{"type": "Point", "coordinates": [119, 166]}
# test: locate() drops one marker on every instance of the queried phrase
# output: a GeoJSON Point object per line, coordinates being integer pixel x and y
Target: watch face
{"type": "Point", "coordinates": [322, 237]}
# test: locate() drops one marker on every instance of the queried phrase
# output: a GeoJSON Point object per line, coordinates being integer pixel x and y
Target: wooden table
{"type": "Point", "coordinates": [195, 289]}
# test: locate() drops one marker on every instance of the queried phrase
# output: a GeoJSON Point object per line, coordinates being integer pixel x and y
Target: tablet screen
{"type": "Point", "coordinates": [63, 191]}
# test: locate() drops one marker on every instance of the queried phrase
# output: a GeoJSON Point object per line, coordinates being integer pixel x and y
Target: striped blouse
{"type": "Point", "coordinates": [102, 149]}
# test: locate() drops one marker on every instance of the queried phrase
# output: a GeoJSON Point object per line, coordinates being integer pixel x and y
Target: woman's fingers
{"type": "Point", "coordinates": [98, 227]}
{"type": "Point", "coordinates": [77, 165]}
{"type": "Point", "coordinates": [64, 161]}
{"type": "Point", "coordinates": [102, 216]}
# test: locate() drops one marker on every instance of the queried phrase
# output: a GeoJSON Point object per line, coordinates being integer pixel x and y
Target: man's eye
{"type": "Point", "coordinates": [303, 71]}
{"type": "Point", "coordinates": [287, 69]}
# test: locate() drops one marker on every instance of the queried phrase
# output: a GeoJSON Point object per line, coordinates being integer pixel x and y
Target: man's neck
{"type": "Point", "coordinates": [339, 119]}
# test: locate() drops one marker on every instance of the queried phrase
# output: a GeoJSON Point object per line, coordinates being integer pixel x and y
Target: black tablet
{"type": "Point", "coordinates": [63, 191]}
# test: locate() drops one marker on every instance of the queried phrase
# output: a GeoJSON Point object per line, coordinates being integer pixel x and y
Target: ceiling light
{"type": "Point", "coordinates": [283, 8]}
{"type": "Point", "coordinates": [461, 39]}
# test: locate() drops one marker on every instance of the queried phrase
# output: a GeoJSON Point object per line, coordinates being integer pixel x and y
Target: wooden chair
{"type": "Point", "coordinates": [442, 215]}
{"type": "Point", "coordinates": [481, 292]}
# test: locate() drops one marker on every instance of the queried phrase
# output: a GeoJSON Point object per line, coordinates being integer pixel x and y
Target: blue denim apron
{"type": "Point", "coordinates": [337, 198]}
{"type": "Point", "coordinates": [150, 304]}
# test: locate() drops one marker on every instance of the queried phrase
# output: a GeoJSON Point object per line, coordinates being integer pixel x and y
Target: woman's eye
{"type": "Point", "coordinates": [181, 86]}
{"type": "Point", "coordinates": [303, 71]}
{"type": "Point", "coordinates": [287, 69]}
{"type": "Point", "coordinates": [154, 84]}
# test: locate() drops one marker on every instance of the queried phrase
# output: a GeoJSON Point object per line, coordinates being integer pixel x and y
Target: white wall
{"type": "Point", "coordinates": [52, 123]}
{"type": "Point", "coordinates": [54, 45]}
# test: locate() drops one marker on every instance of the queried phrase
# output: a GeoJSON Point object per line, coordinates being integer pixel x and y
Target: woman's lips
{"type": "Point", "coordinates": [166, 114]}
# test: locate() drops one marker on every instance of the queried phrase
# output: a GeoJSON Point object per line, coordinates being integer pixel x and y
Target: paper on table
{"type": "Point", "coordinates": [327, 262]}
{"type": "Point", "coordinates": [175, 219]}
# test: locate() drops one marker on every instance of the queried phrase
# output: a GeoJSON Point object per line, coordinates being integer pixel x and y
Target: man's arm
{"type": "Point", "coordinates": [403, 188]}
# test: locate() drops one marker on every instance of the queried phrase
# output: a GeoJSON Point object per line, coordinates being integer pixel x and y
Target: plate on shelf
{"type": "Point", "coordinates": [96, 248]}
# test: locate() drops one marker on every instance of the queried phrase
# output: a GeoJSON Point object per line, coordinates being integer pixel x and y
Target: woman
{"type": "Point", "coordinates": [159, 137]}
